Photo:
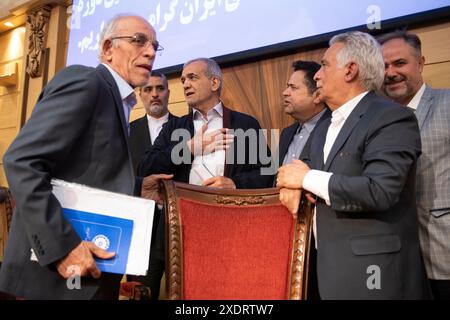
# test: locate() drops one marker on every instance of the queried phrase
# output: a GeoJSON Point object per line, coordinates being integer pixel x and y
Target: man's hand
{"type": "Point", "coordinates": [81, 258]}
{"type": "Point", "coordinates": [219, 182]}
{"type": "Point", "coordinates": [290, 198]}
{"type": "Point", "coordinates": [204, 143]}
{"type": "Point", "coordinates": [151, 187]}
{"type": "Point", "coordinates": [291, 175]}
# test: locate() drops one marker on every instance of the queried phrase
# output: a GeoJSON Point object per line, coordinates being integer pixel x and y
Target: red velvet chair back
{"type": "Point", "coordinates": [234, 244]}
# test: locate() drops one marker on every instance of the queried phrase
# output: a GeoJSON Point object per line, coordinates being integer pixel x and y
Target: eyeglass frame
{"type": "Point", "coordinates": [155, 44]}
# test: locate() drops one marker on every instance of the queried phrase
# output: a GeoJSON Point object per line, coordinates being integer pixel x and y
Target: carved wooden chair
{"type": "Point", "coordinates": [234, 244]}
{"type": "Point", "coordinates": [6, 211]}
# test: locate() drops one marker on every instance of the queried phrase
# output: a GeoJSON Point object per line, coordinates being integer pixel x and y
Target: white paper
{"type": "Point", "coordinates": [79, 197]}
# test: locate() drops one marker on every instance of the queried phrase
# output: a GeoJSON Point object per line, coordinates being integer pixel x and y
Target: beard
{"type": "Point", "coordinates": [156, 110]}
{"type": "Point", "coordinates": [403, 88]}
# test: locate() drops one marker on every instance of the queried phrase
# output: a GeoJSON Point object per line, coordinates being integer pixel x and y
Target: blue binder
{"type": "Point", "coordinates": [109, 233]}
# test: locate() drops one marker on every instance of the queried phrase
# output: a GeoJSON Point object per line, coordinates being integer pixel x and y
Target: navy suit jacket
{"type": "Point", "coordinates": [77, 132]}
{"type": "Point", "coordinates": [158, 159]}
{"type": "Point", "coordinates": [370, 231]}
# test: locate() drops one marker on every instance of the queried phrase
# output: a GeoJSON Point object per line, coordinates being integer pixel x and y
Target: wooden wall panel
{"type": "Point", "coordinates": [437, 75]}
{"type": "Point", "coordinates": [435, 42]}
{"type": "Point", "coordinates": [12, 48]}
{"type": "Point", "coordinates": [6, 137]}
{"type": "Point", "coordinates": [8, 110]}
{"type": "Point", "coordinates": [256, 88]}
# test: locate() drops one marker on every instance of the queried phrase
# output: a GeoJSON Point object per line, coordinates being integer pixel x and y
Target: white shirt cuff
{"type": "Point", "coordinates": [316, 182]}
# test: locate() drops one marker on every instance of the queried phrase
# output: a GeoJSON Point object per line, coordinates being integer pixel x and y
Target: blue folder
{"type": "Point", "coordinates": [109, 233]}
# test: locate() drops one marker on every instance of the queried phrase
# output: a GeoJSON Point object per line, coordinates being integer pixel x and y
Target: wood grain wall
{"type": "Point", "coordinates": [255, 88]}
{"type": "Point", "coordinates": [12, 48]}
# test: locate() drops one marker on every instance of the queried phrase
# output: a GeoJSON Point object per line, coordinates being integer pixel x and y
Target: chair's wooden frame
{"type": "Point", "coordinates": [6, 211]}
{"type": "Point", "coordinates": [242, 197]}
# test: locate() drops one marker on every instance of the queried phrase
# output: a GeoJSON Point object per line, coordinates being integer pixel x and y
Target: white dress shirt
{"type": "Point", "coordinates": [316, 181]}
{"type": "Point", "coordinates": [155, 125]}
{"type": "Point", "coordinates": [414, 103]}
{"type": "Point", "coordinates": [212, 164]}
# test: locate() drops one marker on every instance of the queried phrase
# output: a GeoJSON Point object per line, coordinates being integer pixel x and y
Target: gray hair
{"type": "Point", "coordinates": [365, 51]}
{"type": "Point", "coordinates": [212, 69]}
{"type": "Point", "coordinates": [109, 30]}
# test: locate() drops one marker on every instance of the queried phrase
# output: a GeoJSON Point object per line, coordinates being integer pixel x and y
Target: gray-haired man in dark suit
{"type": "Point", "coordinates": [78, 132]}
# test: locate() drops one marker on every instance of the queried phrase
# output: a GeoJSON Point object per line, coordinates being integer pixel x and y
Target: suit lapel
{"type": "Point", "coordinates": [227, 124]}
{"type": "Point", "coordinates": [119, 106]}
{"type": "Point", "coordinates": [305, 155]}
{"type": "Point", "coordinates": [286, 141]}
{"type": "Point", "coordinates": [144, 131]}
{"type": "Point", "coordinates": [317, 144]}
{"type": "Point", "coordinates": [116, 94]}
{"type": "Point", "coordinates": [348, 127]}
{"type": "Point", "coordinates": [424, 106]}
{"type": "Point", "coordinates": [190, 123]}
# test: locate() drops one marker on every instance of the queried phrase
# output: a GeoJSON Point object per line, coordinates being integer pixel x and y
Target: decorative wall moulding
{"type": "Point", "coordinates": [37, 22]}
{"type": "Point", "coordinates": [8, 74]}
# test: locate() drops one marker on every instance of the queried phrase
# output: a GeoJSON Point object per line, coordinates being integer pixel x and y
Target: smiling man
{"type": "Point", "coordinates": [404, 84]}
{"type": "Point", "coordinates": [77, 132]}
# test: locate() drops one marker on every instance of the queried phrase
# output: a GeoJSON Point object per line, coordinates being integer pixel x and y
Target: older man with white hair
{"type": "Point", "coordinates": [78, 132]}
{"type": "Point", "coordinates": [361, 175]}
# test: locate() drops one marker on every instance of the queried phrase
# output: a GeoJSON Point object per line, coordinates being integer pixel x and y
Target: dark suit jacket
{"type": "Point", "coordinates": [140, 138]}
{"type": "Point", "coordinates": [371, 228]}
{"type": "Point", "coordinates": [288, 134]}
{"type": "Point", "coordinates": [158, 159]}
{"type": "Point", "coordinates": [77, 132]}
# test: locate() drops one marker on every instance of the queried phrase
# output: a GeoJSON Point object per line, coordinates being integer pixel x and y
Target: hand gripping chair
{"type": "Point", "coordinates": [234, 244]}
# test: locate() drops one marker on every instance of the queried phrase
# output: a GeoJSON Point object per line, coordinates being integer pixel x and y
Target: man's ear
{"type": "Point", "coordinates": [351, 71]}
{"type": "Point", "coordinates": [215, 83]}
{"type": "Point", "coordinates": [316, 97]}
{"type": "Point", "coordinates": [107, 46]}
{"type": "Point", "coordinates": [421, 63]}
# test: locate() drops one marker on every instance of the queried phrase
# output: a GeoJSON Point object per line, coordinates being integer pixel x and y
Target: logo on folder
{"type": "Point", "coordinates": [108, 233]}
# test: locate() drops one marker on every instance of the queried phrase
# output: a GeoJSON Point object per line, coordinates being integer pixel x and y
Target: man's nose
{"type": "Point", "coordinates": [150, 52]}
{"type": "Point", "coordinates": [390, 72]}
{"type": "Point", "coordinates": [317, 75]}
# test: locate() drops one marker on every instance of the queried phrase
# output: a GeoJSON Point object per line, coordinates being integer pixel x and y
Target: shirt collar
{"type": "Point", "coordinates": [311, 123]}
{"type": "Point", "coordinates": [164, 118]}
{"type": "Point", "coordinates": [124, 87]}
{"type": "Point", "coordinates": [217, 110]}
{"type": "Point", "coordinates": [347, 108]}
{"type": "Point", "coordinates": [414, 103]}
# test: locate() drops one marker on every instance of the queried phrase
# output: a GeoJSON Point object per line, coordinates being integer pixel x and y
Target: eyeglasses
{"type": "Point", "coordinates": [142, 41]}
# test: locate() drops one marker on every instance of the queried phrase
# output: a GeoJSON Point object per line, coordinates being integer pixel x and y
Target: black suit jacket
{"type": "Point", "coordinates": [370, 231]}
{"type": "Point", "coordinates": [288, 134]}
{"type": "Point", "coordinates": [158, 159]}
{"type": "Point", "coordinates": [77, 132]}
{"type": "Point", "coordinates": [140, 139]}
